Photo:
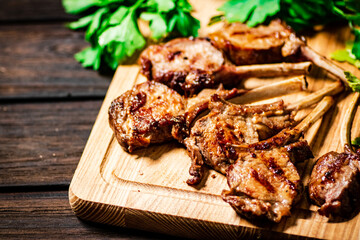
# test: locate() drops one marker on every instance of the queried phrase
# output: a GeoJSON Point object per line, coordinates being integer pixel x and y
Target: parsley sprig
{"type": "Point", "coordinates": [112, 26]}
{"type": "Point", "coordinates": [354, 84]}
{"type": "Point", "coordinates": [299, 14]}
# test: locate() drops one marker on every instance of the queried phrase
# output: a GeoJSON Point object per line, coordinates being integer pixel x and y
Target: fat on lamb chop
{"type": "Point", "coordinates": [210, 140]}
{"type": "Point", "coordinates": [188, 65]}
{"type": "Point", "coordinates": [144, 114]}
{"type": "Point", "coordinates": [243, 45]}
{"type": "Point", "coordinates": [276, 42]}
{"type": "Point", "coordinates": [147, 113]}
{"type": "Point", "coordinates": [334, 183]}
{"type": "Point", "coordinates": [263, 181]}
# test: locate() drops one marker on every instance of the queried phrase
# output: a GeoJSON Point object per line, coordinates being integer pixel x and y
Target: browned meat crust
{"type": "Point", "coordinates": [212, 137]}
{"type": "Point", "coordinates": [265, 183]}
{"type": "Point", "coordinates": [335, 183]}
{"type": "Point", "coordinates": [243, 45]}
{"type": "Point", "coordinates": [189, 65]}
{"type": "Point", "coordinates": [184, 64]}
{"type": "Point", "coordinates": [145, 115]}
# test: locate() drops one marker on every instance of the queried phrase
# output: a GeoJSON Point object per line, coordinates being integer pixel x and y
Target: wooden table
{"type": "Point", "coordinates": [48, 104]}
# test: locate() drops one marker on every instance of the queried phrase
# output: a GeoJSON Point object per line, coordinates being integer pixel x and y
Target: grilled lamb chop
{"type": "Point", "coordinates": [144, 115]}
{"type": "Point", "coordinates": [264, 181]}
{"type": "Point", "coordinates": [200, 103]}
{"type": "Point", "coordinates": [243, 45]}
{"type": "Point", "coordinates": [188, 65]}
{"type": "Point", "coordinates": [335, 183]}
{"type": "Point", "coordinates": [211, 138]}
{"type": "Point", "coordinates": [335, 179]}
{"type": "Point", "coordinates": [276, 42]}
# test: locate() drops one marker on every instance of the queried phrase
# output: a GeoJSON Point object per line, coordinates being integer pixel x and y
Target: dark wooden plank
{"type": "Point", "coordinates": [41, 143]}
{"type": "Point", "coordinates": [38, 10]}
{"type": "Point", "coordinates": [44, 215]}
{"type": "Point", "coordinates": [37, 62]}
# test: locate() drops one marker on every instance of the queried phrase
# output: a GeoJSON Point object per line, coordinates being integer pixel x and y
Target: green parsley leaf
{"type": "Point", "coordinates": [253, 12]}
{"type": "Point", "coordinates": [165, 5]}
{"type": "Point", "coordinates": [95, 23]}
{"type": "Point", "coordinates": [353, 81]}
{"type": "Point", "coordinates": [345, 55]}
{"type": "Point", "coordinates": [356, 142]}
{"type": "Point", "coordinates": [76, 6]}
{"type": "Point", "coordinates": [126, 34]}
{"type": "Point", "coordinates": [113, 31]}
{"type": "Point", "coordinates": [89, 57]}
{"type": "Point", "coordinates": [81, 23]}
{"type": "Point", "coordinates": [157, 24]}
{"type": "Point", "coordinates": [118, 15]}
{"type": "Point", "coordinates": [356, 48]}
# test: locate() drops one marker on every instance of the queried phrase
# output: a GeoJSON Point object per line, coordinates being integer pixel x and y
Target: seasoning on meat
{"type": "Point", "coordinates": [335, 179]}
{"type": "Point", "coordinates": [189, 65]}
{"type": "Point", "coordinates": [144, 115]}
{"type": "Point", "coordinates": [243, 45]}
{"type": "Point", "coordinates": [264, 181]}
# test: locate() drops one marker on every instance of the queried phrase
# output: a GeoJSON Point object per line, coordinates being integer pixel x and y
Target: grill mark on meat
{"type": "Point", "coordinates": [137, 101]}
{"type": "Point", "coordinates": [225, 145]}
{"type": "Point", "coordinates": [335, 182]}
{"type": "Point", "coordinates": [146, 68]}
{"type": "Point", "coordinates": [278, 171]}
{"type": "Point", "coordinates": [274, 167]}
{"type": "Point", "coordinates": [172, 55]}
{"type": "Point", "coordinates": [144, 115]}
{"type": "Point", "coordinates": [262, 180]}
{"type": "Point", "coordinates": [335, 167]}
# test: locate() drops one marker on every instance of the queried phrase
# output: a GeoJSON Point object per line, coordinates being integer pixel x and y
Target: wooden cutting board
{"type": "Point", "coordinates": [147, 190]}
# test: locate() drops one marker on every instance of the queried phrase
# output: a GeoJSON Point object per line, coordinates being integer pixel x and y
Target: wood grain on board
{"type": "Point", "coordinates": [147, 189]}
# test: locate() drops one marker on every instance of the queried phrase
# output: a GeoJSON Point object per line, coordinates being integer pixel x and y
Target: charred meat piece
{"type": "Point", "coordinates": [335, 179]}
{"type": "Point", "coordinates": [200, 103]}
{"type": "Point", "coordinates": [335, 183]}
{"type": "Point", "coordinates": [276, 42]}
{"type": "Point", "coordinates": [243, 45]}
{"type": "Point", "coordinates": [264, 181]}
{"type": "Point", "coordinates": [188, 65]}
{"type": "Point", "coordinates": [212, 137]}
{"type": "Point", "coordinates": [185, 65]}
{"type": "Point", "coordinates": [144, 115]}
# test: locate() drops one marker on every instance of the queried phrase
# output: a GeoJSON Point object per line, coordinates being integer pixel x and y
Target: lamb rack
{"type": "Point", "coordinates": [276, 42]}
{"type": "Point", "coordinates": [147, 113]}
{"type": "Point", "coordinates": [213, 136]}
{"type": "Point", "coordinates": [335, 179]}
{"type": "Point", "coordinates": [188, 65]}
{"type": "Point", "coordinates": [143, 115]}
{"type": "Point", "coordinates": [263, 181]}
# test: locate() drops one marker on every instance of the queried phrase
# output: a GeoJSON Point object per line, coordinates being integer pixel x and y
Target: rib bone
{"type": "Point", "coordinates": [323, 62]}
{"type": "Point", "coordinates": [289, 135]}
{"type": "Point", "coordinates": [291, 85]}
{"type": "Point", "coordinates": [315, 97]}
{"type": "Point", "coordinates": [268, 70]}
{"type": "Point", "coordinates": [345, 131]}
{"type": "Point", "coordinates": [181, 128]}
